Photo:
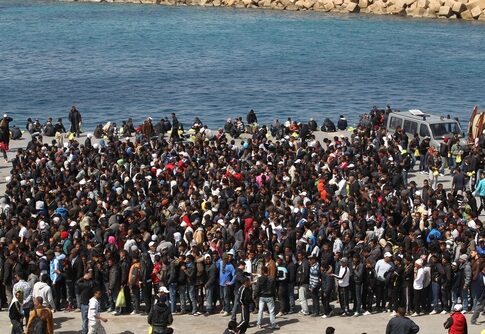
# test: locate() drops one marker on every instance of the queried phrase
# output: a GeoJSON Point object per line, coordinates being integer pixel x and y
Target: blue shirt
{"type": "Point", "coordinates": [227, 273]}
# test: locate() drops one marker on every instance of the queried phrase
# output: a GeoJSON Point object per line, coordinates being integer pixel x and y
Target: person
{"type": "Point", "coordinates": [75, 119]}
{"type": "Point", "coordinates": [160, 316]}
{"type": "Point", "coordinates": [330, 330]}
{"type": "Point", "coordinates": [245, 300]}
{"type": "Point", "coordinates": [418, 286]}
{"type": "Point", "coordinates": [343, 282]}
{"type": "Point", "coordinates": [42, 289]}
{"type": "Point", "coordinates": [303, 280]}
{"type": "Point", "coordinates": [94, 317]}
{"type": "Point", "coordinates": [400, 324]}
{"type": "Point", "coordinates": [251, 118]}
{"type": "Point", "coordinates": [265, 291]}
{"type": "Point", "coordinates": [456, 322]}
{"type": "Point", "coordinates": [231, 328]}
{"type": "Point", "coordinates": [15, 313]}
{"type": "Point", "coordinates": [5, 135]}
{"type": "Point", "coordinates": [85, 286]}
{"type": "Point", "coordinates": [481, 296]}
{"type": "Point", "coordinates": [342, 123]}
{"type": "Point", "coordinates": [40, 318]}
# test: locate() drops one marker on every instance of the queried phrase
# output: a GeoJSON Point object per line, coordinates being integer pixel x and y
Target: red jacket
{"type": "Point", "coordinates": [459, 324]}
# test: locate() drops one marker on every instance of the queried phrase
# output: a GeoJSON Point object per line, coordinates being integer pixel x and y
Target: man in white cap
{"type": "Point", "coordinates": [383, 266]}
{"type": "Point", "coordinates": [418, 286]}
{"type": "Point", "coordinates": [160, 316]}
{"type": "Point", "coordinates": [456, 323]}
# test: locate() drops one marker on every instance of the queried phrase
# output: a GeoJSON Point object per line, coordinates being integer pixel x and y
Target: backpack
{"type": "Point", "coordinates": [38, 325]}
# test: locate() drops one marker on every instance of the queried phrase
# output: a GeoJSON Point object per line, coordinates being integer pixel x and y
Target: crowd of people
{"type": "Point", "coordinates": [210, 224]}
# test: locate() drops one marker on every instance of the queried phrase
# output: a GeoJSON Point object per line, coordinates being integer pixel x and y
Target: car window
{"type": "Point", "coordinates": [411, 127]}
{"type": "Point", "coordinates": [441, 130]}
{"type": "Point", "coordinates": [423, 130]}
{"type": "Point", "coordinates": [395, 122]}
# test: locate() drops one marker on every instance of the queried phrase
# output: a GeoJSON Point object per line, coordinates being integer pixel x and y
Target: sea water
{"type": "Point", "coordinates": [115, 61]}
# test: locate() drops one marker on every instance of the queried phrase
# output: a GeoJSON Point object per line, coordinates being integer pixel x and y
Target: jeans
{"type": "Point", "coordinates": [209, 294]}
{"type": "Point", "coordinates": [147, 289]}
{"type": "Point", "coordinates": [436, 288]}
{"type": "Point", "coordinates": [226, 295]}
{"type": "Point", "coordinates": [404, 174]}
{"type": "Point", "coordinates": [315, 300]}
{"type": "Point", "coordinates": [84, 319]}
{"type": "Point", "coordinates": [235, 306]}
{"type": "Point", "coordinates": [303, 295]}
{"type": "Point", "coordinates": [418, 300]}
{"type": "Point", "coordinates": [172, 288]}
{"type": "Point", "coordinates": [433, 179]}
{"type": "Point", "coordinates": [477, 309]}
{"type": "Point", "coordinates": [344, 298]}
{"type": "Point", "coordinates": [291, 296]}
{"type": "Point", "coordinates": [269, 301]}
{"type": "Point", "coordinates": [464, 299]}
{"type": "Point", "coordinates": [135, 295]}
{"type": "Point", "coordinates": [358, 298]}
{"type": "Point", "coordinates": [182, 290]}
{"type": "Point", "coordinates": [454, 298]}
{"type": "Point", "coordinates": [16, 327]}
{"type": "Point", "coordinates": [193, 299]}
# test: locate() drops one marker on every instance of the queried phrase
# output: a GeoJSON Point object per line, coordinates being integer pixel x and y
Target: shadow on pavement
{"type": "Point", "coordinates": [58, 321]}
{"type": "Point", "coordinates": [267, 328]}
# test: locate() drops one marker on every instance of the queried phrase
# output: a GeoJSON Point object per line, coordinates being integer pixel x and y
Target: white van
{"type": "Point", "coordinates": [425, 125]}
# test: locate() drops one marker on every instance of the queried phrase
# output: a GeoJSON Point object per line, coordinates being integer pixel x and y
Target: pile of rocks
{"type": "Point", "coordinates": [451, 9]}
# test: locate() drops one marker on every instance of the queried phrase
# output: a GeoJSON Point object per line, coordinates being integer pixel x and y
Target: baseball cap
{"type": "Point", "coordinates": [163, 289]}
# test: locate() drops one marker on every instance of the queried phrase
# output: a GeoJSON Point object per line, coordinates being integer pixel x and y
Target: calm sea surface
{"type": "Point", "coordinates": [117, 61]}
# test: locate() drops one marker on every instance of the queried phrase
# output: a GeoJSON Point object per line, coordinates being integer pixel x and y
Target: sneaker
{"type": "Point", "coordinates": [357, 314]}
{"type": "Point", "coordinates": [303, 313]}
{"type": "Point", "coordinates": [324, 316]}
{"type": "Point", "coordinates": [367, 313]}
{"type": "Point", "coordinates": [280, 314]}
{"type": "Point", "coordinates": [226, 314]}
{"type": "Point", "coordinates": [275, 326]}
{"type": "Point", "coordinates": [259, 326]}
{"type": "Point", "coordinates": [414, 314]}
{"type": "Point", "coordinates": [444, 312]}
{"type": "Point", "coordinates": [433, 312]}
{"type": "Point", "coordinates": [134, 313]}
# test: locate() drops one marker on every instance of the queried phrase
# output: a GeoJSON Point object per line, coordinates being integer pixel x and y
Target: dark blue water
{"type": "Point", "coordinates": [116, 61]}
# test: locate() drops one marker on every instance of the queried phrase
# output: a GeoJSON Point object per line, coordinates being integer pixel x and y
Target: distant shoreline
{"type": "Point", "coordinates": [469, 10]}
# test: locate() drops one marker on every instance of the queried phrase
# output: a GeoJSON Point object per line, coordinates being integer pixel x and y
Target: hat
{"type": "Point", "coordinates": [458, 308]}
{"type": "Point", "coordinates": [125, 202]}
{"type": "Point", "coordinates": [387, 254]}
{"type": "Point", "coordinates": [3, 239]}
{"type": "Point", "coordinates": [454, 264]}
{"type": "Point", "coordinates": [221, 222]}
{"type": "Point", "coordinates": [281, 257]}
{"type": "Point", "coordinates": [163, 289]}
{"type": "Point", "coordinates": [419, 262]}
{"type": "Point", "coordinates": [39, 252]}
{"type": "Point", "coordinates": [344, 260]}
{"type": "Point", "coordinates": [463, 257]}
{"type": "Point", "coordinates": [151, 243]}
{"type": "Point", "coordinates": [231, 252]}
{"type": "Point", "coordinates": [72, 224]}
{"type": "Point", "coordinates": [64, 235]}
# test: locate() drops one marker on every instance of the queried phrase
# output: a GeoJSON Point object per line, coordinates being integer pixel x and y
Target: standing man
{"type": "Point", "coordinates": [481, 296]}
{"type": "Point", "coordinates": [94, 317]}
{"type": "Point", "coordinates": [401, 324]}
{"type": "Point", "coordinates": [75, 119]}
{"type": "Point", "coordinates": [227, 277]}
{"type": "Point", "coordinates": [265, 291]}
{"type": "Point", "coordinates": [303, 279]}
{"type": "Point", "coordinates": [5, 135]}
{"type": "Point", "coordinates": [160, 316]}
{"type": "Point", "coordinates": [85, 286]}
{"type": "Point", "coordinates": [245, 299]}
{"type": "Point", "coordinates": [15, 313]}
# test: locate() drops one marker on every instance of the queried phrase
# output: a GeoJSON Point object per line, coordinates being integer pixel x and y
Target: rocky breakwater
{"type": "Point", "coordinates": [448, 9]}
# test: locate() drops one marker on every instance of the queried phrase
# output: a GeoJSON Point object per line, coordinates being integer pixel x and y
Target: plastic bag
{"type": "Point", "coordinates": [150, 329]}
{"type": "Point", "coordinates": [121, 300]}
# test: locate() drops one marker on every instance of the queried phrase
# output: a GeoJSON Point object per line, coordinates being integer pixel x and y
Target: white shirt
{"type": "Point", "coordinates": [343, 277]}
{"type": "Point", "coordinates": [93, 310]}
{"type": "Point", "coordinates": [419, 280]}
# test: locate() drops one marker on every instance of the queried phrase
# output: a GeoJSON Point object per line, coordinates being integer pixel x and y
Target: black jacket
{"type": "Point", "coordinates": [303, 273]}
{"type": "Point", "coordinates": [401, 325]}
{"type": "Point", "coordinates": [265, 287]}
{"type": "Point", "coordinates": [160, 315]}
{"type": "Point", "coordinates": [211, 275]}
{"type": "Point", "coordinates": [85, 289]}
